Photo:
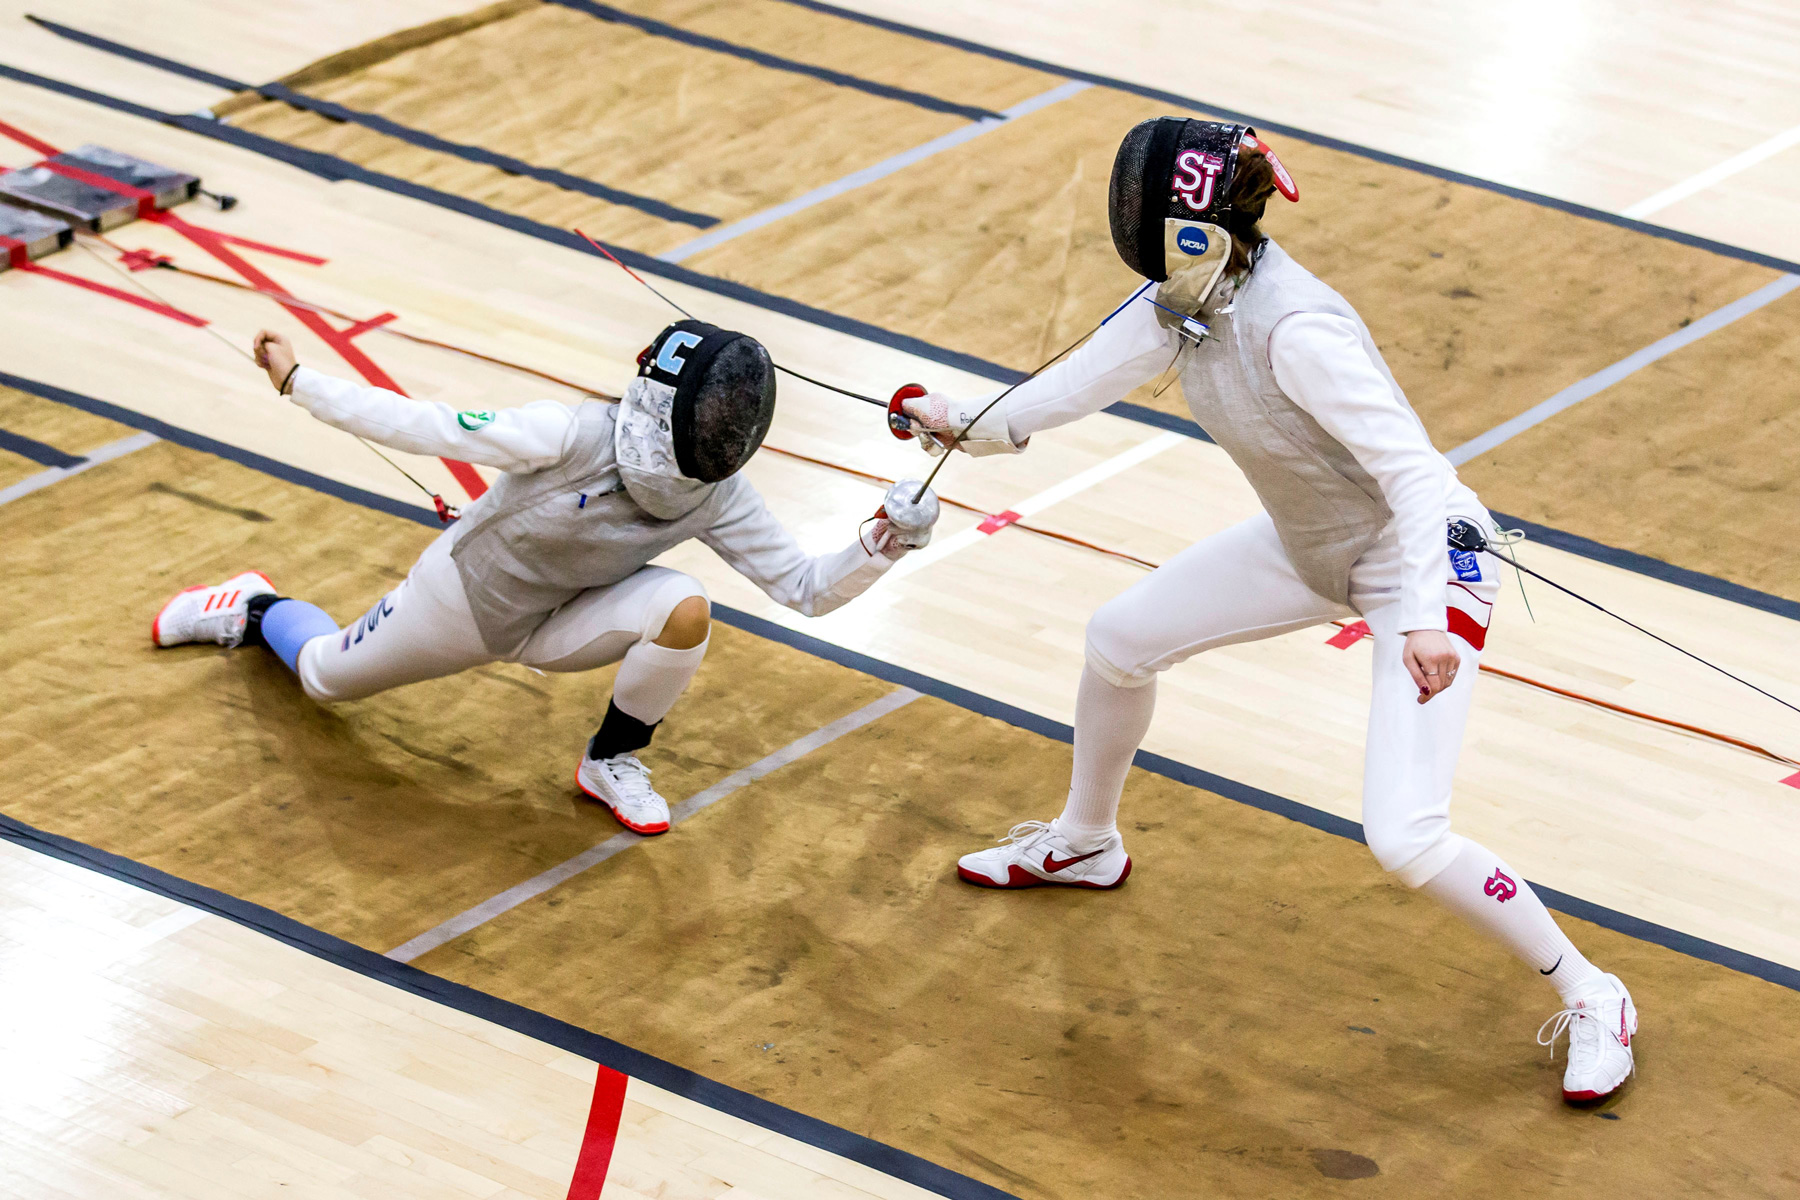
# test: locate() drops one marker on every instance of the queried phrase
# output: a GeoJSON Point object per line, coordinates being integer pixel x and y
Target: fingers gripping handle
{"type": "Point", "coordinates": [910, 510]}
{"type": "Point", "coordinates": [898, 423]}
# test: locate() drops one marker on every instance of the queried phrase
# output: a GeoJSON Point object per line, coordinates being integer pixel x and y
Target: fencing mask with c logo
{"type": "Point", "coordinates": [698, 409]}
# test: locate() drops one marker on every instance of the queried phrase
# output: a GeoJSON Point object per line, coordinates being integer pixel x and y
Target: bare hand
{"type": "Point", "coordinates": [1431, 661]}
{"type": "Point", "coordinates": [274, 354]}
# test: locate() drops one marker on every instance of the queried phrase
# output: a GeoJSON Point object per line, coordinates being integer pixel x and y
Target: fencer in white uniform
{"type": "Point", "coordinates": [1283, 374]}
{"type": "Point", "coordinates": [551, 566]}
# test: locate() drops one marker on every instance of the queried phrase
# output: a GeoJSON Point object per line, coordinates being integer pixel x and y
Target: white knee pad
{"type": "Point", "coordinates": [1398, 858]}
{"type": "Point", "coordinates": [1109, 652]}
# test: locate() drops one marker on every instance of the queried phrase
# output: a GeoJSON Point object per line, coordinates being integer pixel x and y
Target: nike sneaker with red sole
{"type": "Point", "coordinates": [622, 783]}
{"type": "Point", "coordinates": [1034, 854]}
{"type": "Point", "coordinates": [210, 614]}
{"type": "Point", "coordinates": [1601, 1023]}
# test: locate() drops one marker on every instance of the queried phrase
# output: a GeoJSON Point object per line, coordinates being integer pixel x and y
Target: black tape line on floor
{"type": "Point", "coordinates": [206, 445]}
{"type": "Point", "coordinates": [572, 1038]}
{"type": "Point", "coordinates": [775, 62]}
{"type": "Point", "coordinates": [394, 129]}
{"type": "Point", "coordinates": [1230, 789]}
{"type": "Point", "coordinates": [333, 169]}
{"type": "Point", "coordinates": [43, 454]}
{"type": "Point", "coordinates": [1305, 135]}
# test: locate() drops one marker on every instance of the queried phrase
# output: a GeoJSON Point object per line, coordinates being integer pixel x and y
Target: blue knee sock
{"type": "Point", "coordinates": [288, 625]}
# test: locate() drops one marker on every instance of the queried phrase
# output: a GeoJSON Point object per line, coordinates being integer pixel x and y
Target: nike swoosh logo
{"type": "Point", "coordinates": [1553, 966]}
{"type": "Point", "coordinates": [1051, 863]}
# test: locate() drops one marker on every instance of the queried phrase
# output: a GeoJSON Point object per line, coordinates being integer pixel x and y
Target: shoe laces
{"type": "Point", "coordinates": [631, 777]}
{"type": "Point", "coordinates": [1024, 831]}
{"type": "Point", "coordinates": [1582, 1025]}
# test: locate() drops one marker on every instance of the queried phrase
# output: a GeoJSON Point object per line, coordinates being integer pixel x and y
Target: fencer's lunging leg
{"type": "Point", "coordinates": [652, 677]}
{"type": "Point", "coordinates": [1110, 723]}
{"type": "Point", "coordinates": [1236, 586]}
{"type": "Point", "coordinates": [656, 625]}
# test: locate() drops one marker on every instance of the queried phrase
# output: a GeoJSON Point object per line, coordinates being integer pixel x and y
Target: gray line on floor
{"type": "Point", "coordinates": [93, 458]}
{"type": "Point", "coordinates": [870, 174]}
{"type": "Point", "coordinates": [538, 884]}
{"type": "Point", "coordinates": [1600, 380]}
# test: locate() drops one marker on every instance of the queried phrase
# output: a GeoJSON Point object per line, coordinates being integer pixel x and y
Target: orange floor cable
{"type": "Point", "coordinates": [1069, 539]}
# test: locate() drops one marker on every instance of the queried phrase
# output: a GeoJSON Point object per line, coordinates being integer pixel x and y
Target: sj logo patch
{"type": "Point", "coordinates": [1500, 886]}
{"type": "Point", "coordinates": [1196, 174]}
{"type": "Point", "coordinates": [475, 418]}
{"type": "Point", "coordinates": [1466, 565]}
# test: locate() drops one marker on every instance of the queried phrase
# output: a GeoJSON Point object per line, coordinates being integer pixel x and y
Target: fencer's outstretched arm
{"type": "Point", "coordinates": [760, 548]}
{"type": "Point", "coordinates": [523, 439]}
{"type": "Point", "coordinates": [1131, 348]}
{"type": "Point", "coordinates": [1320, 363]}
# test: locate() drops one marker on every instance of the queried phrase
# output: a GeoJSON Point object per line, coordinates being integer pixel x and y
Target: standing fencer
{"type": "Point", "coordinates": [550, 567]}
{"type": "Point", "coordinates": [1363, 516]}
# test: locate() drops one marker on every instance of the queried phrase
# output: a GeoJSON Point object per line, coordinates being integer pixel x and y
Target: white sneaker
{"type": "Point", "coordinates": [622, 783]}
{"type": "Point", "coordinates": [210, 614]}
{"type": "Point", "coordinates": [1034, 853]}
{"type": "Point", "coordinates": [1601, 1023]}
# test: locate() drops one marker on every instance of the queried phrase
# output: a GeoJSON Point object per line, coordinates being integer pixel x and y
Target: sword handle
{"type": "Point", "coordinates": [898, 424]}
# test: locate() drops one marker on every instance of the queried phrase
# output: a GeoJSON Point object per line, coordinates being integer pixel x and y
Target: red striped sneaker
{"type": "Point", "coordinates": [210, 614]}
{"type": "Point", "coordinates": [1034, 853]}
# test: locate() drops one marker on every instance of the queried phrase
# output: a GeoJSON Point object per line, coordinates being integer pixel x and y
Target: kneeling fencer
{"type": "Point", "coordinates": [1363, 517]}
{"type": "Point", "coordinates": [549, 568]}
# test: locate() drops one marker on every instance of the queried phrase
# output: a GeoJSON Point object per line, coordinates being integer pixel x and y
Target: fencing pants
{"type": "Point", "coordinates": [424, 629]}
{"type": "Point", "coordinates": [1239, 586]}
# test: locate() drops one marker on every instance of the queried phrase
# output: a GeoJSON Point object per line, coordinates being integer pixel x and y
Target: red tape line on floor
{"type": "Point", "coordinates": [362, 327]}
{"type": "Point", "coordinates": [601, 1136]}
{"type": "Point", "coordinates": [1349, 635]}
{"type": "Point", "coordinates": [174, 314]}
{"type": "Point", "coordinates": [998, 521]}
{"type": "Point", "coordinates": [146, 200]}
{"type": "Point", "coordinates": [213, 244]}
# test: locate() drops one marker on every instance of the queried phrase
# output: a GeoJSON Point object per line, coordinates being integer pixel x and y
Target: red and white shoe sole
{"type": "Point", "coordinates": [1588, 1097]}
{"type": "Point", "coordinates": [645, 830]}
{"type": "Point", "coordinates": [1019, 877]}
{"type": "Point", "coordinates": [156, 623]}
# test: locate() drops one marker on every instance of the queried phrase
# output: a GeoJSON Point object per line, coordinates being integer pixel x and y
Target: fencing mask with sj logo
{"type": "Point", "coordinates": [1171, 219]}
{"type": "Point", "coordinates": [701, 402]}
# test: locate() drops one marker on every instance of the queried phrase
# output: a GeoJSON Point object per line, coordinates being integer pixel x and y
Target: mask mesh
{"type": "Point", "coordinates": [1125, 201]}
{"type": "Point", "coordinates": [733, 404]}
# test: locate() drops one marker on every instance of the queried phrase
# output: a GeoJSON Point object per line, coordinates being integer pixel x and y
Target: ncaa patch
{"type": "Point", "coordinates": [1466, 566]}
{"type": "Point", "coordinates": [1192, 240]}
{"type": "Point", "coordinates": [475, 418]}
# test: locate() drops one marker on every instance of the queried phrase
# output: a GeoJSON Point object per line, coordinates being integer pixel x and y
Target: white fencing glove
{"type": "Point", "coordinates": [900, 523]}
{"type": "Point", "coordinates": [937, 419]}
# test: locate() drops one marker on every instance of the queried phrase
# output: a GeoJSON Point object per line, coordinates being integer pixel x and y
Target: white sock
{"type": "Point", "coordinates": [1110, 722]}
{"type": "Point", "coordinates": [652, 678]}
{"type": "Point", "coordinates": [1494, 898]}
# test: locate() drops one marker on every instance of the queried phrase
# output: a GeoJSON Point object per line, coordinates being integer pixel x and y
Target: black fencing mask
{"type": "Point", "coordinates": [698, 409]}
{"type": "Point", "coordinates": [1171, 222]}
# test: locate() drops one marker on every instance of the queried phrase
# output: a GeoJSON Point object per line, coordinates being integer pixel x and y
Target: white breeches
{"type": "Point", "coordinates": [423, 629]}
{"type": "Point", "coordinates": [1239, 586]}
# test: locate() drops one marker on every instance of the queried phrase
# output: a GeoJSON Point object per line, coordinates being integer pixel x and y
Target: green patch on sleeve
{"type": "Point", "coordinates": [475, 418]}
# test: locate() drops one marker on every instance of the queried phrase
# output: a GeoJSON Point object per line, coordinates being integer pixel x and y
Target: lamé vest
{"type": "Point", "coordinates": [535, 541]}
{"type": "Point", "coordinates": [1327, 509]}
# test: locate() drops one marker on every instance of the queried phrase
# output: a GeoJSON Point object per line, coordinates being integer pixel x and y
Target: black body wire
{"type": "Point", "coordinates": [1466, 535]}
{"type": "Point", "coordinates": [690, 316]}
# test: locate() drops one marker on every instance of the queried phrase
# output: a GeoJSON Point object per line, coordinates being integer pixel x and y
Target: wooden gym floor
{"type": "Point", "coordinates": [1258, 1012]}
